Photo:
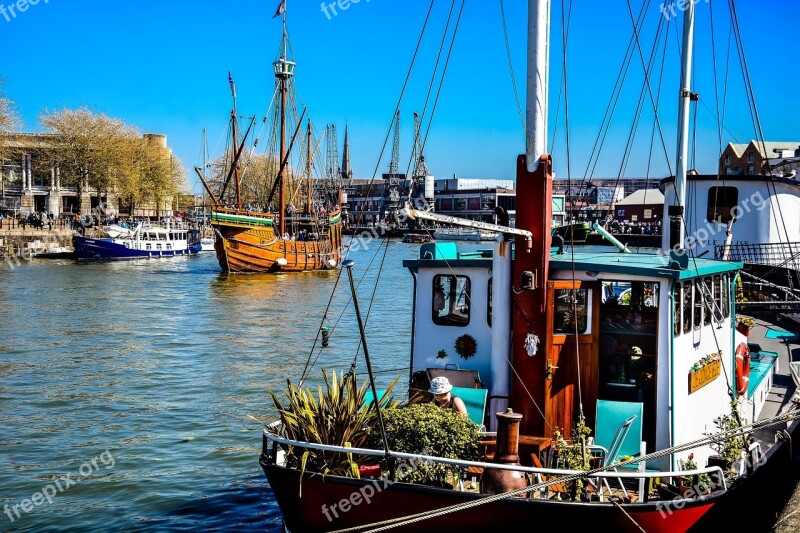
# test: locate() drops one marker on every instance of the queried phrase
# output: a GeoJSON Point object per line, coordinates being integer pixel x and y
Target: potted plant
{"type": "Point", "coordinates": [698, 482]}
{"type": "Point", "coordinates": [335, 413]}
{"type": "Point", "coordinates": [574, 456]}
{"type": "Point", "coordinates": [731, 447]}
{"type": "Point", "coordinates": [745, 324]}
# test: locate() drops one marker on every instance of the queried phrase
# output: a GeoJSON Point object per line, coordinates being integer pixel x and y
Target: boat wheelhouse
{"type": "Point", "coordinates": [747, 218]}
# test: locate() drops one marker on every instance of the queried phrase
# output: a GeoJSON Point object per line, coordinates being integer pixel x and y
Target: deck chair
{"type": "Point", "coordinates": [474, 401]}
{"type": "Point", "coordinates": [368, 397]}
{"type": "Point", "coordinates": [618, 432]}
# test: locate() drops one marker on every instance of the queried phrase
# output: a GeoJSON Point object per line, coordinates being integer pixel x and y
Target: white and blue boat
{"type": "Point", "coordinates": [153, 241]}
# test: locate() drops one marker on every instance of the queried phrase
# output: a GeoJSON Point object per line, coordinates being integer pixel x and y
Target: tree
{"type": "Point", "coordinates": [90, 150]}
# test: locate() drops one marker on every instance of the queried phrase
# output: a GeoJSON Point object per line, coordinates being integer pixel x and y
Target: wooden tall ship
{"type": "Point", "coordinates": [304, 233]}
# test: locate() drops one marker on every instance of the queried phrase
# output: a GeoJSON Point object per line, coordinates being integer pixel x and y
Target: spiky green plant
{"type": "Point", "coordinates": [335, 415]}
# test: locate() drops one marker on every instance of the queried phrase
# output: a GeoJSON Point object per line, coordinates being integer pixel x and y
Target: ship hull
{"type": "Point", "coordinates": [321, 508]}
{"type": "Point", "coordinates": [88, 248]}
{"type": "Point", "coordinates": [316, 504]}
{"type": "Point", "coordinates": [248, 243]}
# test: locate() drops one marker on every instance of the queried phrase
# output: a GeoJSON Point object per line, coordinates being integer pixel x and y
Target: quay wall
{"type": "Point", "coordinates": [18, 241]}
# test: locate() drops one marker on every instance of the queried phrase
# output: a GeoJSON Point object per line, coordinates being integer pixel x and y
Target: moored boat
{"type": "Point", "coordinates": [576, 232]}
{"type": "Point", "coordinates": [207, 244]}
{"type": "Point", "coordinates": [463, 234]}
{"type": "Point", "coordinates": [640, 351]}
{"type": "Point", "coordinates": [417, 237]}
{"type": "Point", "coordinates": [150, 241]}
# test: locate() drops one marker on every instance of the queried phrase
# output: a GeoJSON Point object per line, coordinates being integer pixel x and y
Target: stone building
{"type": "Point", "coordinates": [28, 186]}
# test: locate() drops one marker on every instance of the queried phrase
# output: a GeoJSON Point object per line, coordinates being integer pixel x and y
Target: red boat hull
{"type": "Point", "coordinates": [336, 503]}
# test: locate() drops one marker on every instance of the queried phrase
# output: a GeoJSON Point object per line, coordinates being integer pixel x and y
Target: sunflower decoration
{"type": "Point", "coordinates": [466, 346]}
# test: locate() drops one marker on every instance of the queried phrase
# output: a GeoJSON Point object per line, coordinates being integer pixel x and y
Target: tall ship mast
{"type": "Point", "coordinates": [303, 230]}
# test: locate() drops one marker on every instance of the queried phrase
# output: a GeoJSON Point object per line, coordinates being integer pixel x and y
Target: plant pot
{"type": "Point", "coordinates": [743, 329]}
{"type": "Point", "coordinates": [369, 471]}
{"type": "Point", "coordinates": [718, 460]}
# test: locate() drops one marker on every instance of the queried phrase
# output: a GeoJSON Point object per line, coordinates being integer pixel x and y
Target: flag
{"type": "Point", "coordinates": [233, 87]}
{"type": "Point", "coordinates": [281, 9]}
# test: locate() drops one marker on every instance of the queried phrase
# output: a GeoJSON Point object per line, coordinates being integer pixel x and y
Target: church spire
{"type": "Point", "coordinates": [347, 172]}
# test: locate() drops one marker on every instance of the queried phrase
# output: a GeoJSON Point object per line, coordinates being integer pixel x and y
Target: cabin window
{"type": "Point", "coordinates": [687, 306]}
{"type": "Point", "coordinates": [451, 300]}
{"type": "Point", "coordinates": [677, 301]}
{"type": "Point", "coordinates": [719, 314]}
{"type": "Point", "coordinates": [725, 297]}
{"type": "Point", "coordinates": [708, 300]}
{"type": "Point", "coordinates": [571, 308]}
{"type": "Point", "coordinates": [721, 201]}
{"type": "Point", "coordinates": [489, 303]}
{"type": "Point", "coordinates": [698, 304]}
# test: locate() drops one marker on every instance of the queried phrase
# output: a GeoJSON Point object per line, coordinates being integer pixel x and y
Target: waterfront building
{"type": "Point", "coordinates": [751, 158]}
{"type": "Point", "coordinates": [28, 185]}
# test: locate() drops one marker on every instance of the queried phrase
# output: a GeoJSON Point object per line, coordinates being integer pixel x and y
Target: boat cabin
{"type": "Point", "coordinates": [637, 328]}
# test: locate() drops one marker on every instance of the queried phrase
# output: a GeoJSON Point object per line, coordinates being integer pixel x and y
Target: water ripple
{"type": "Point", "coordinates": [161, 363]}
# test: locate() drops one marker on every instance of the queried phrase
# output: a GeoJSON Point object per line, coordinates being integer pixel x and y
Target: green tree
{"type": "Point", "coordinates": [90, 150]}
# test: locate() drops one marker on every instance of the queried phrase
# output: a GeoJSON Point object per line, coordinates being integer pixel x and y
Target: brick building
{"type": "Point", "coordinates": [749, 159]}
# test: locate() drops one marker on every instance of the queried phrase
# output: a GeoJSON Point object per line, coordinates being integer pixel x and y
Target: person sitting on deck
{"type": "Point", "coordinates": [440, 388]}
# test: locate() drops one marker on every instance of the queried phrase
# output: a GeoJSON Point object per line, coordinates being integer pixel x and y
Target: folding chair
{"type": "Point", "coordinates": [618, 432]}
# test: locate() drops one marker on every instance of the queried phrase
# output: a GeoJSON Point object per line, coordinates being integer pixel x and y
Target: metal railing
{"type": "Point", "coordinates": [786, 255]}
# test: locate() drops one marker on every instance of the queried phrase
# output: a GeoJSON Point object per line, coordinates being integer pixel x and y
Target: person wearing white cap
{"type": "Point", "coordinates": [440, 388]}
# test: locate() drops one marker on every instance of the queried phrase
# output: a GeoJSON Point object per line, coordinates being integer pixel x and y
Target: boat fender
{"type": "Point", "coordinates": [281, 262]}
{"type": "Point", "coordinates": [331, 263]}
{"type": "Point", "coordinates": [742, 368]}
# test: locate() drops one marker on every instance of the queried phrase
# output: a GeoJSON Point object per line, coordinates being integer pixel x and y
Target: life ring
{"type": "Point", "coordinates": [742, 368]}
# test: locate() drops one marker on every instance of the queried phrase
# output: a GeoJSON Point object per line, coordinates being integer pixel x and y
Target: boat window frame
{"type": "Point", "coordinates": [718, 213]}
{"type": "Point", "coordinates": [726, 296]}
{"type": "Point", "coordinates": [677, 309]}
{"type": "Point", "coordinates": [451, 319]}
{"type": "Point", "coordinates": [708, 300]}
{"type": "Point", "coordinates": [688, 293]}
{"type": "Point", "coordinates": [697, 305]}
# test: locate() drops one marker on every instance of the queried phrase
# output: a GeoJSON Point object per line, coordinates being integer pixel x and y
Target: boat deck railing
{"type": "Point", "coordinates": [785, 255]}
{"type": "Point", "coordinates": [543, 478]}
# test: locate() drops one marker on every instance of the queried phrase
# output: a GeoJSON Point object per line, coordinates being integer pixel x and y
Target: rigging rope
{"type": "Point", "coordinates": [511, 67]}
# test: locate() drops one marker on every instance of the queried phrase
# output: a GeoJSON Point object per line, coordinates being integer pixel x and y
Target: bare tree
{"type": "Point", "coordinates": [9, 121]}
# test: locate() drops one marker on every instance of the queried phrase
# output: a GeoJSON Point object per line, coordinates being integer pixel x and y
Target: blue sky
{"type": "Point", "coordinates": [163, 67]}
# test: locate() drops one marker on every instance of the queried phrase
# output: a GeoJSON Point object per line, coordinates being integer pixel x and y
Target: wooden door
{"type": "Point", "coordinates": [562, 364]}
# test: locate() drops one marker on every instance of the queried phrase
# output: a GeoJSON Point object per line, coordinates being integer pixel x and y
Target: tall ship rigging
{"type": "Point", "coordinates": [303, 232]}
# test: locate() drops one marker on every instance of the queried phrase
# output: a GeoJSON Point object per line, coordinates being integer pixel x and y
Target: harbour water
{"type": "Point", "coordinates": [151, 368]}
